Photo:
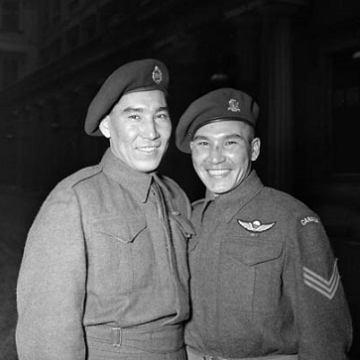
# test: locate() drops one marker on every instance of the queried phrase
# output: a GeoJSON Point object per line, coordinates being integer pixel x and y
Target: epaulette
{"type": "Point", "coordinates": [289, 204]}
{"type": "Point", "coordinates": [79, 176]}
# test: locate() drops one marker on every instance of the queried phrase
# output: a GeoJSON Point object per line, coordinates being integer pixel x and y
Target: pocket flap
{"type": "Point", "coordinates": [121, 228]}
{"type": "Point", "coordinates": [252, 254]}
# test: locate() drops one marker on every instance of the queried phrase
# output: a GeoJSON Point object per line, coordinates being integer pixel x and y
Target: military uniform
{"type": "Point", "coordinates": [116, 268]}
{"type": "Point", "coordinates": [263, 279]}
{"type": "Point", "coordinates": [104, 273]}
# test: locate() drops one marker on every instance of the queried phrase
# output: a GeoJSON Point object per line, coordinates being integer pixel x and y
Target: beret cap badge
{"type": "Point", "coordinates": [138, 75]}
{"type": "Point", "coordinates": [234, 106]}
{"type": "Point", "coordinates": [157, 75]}
{"type": "Point", "coordinates": [224, 104]}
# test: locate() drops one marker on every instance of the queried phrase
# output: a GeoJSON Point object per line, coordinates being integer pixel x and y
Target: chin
{"type": "Point", "coordinates": [220, 189]}
{"type": "Point", "coordinates": [147, 167]}
{"type": "Point", "coordinates": [220, 192]}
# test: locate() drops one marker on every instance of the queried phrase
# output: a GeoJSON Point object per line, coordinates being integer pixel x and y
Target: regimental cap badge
{"type": "Point", "coordinates": [157, 75]}
{"type": "Point", "coordinates": [234, 106]}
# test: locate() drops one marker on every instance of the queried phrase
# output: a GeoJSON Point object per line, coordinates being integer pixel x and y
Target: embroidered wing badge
{"type": "Point", "coordinates": [255, 226]}
{"type": "Point", "coordinates": [326, 287]}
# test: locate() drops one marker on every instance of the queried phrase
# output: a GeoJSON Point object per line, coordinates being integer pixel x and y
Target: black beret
{"type": "Point", "coordinates": [218, 105]}
{"type": "Point", "coordinates": [140, 75]}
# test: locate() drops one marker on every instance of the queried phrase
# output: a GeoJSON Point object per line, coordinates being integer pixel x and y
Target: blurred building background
{"type": "Point", "coordinates": [299, 58]}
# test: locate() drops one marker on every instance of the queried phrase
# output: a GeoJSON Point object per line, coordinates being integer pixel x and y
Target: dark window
{"type": "Point", "coordinates": [89, 27]}
{"type": "Point", "coordinates": [45, 16]}
{"type": "Point", "coordinates": [56, 12]}
{"type": "Point", "coordinates": [72, 37]}
{"type": "Point", "coordinates": [346, 114]}
{"type": "Point", "coordinates": [73, 5]}
{"type": "Point", "coordinates": [10, 16]}
{"type": "Point", "coordinates": [107, 12]}
{"type": "Point", "coordinates": [55, 50]}
{"type": "Point", "coordinates": [10, 67]}
{"type": "Point", "coordinates": [57, 6]}
{"type": "Point", "coordinates": [44, 56]}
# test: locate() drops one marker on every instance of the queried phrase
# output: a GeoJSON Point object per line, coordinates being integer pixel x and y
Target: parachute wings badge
{"type": "Point", "coordinates": [255, 226]}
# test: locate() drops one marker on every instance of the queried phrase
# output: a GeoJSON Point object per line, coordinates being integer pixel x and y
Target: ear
{"type": "Point", "coordinates": [105, 126]}
{"type": "Point", "coordinates": [191, 145]}
{"type": "Point", "coordinates": [255, 149]}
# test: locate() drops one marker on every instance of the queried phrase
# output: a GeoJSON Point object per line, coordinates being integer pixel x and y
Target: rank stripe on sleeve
{"type": "Point", "coordinates": [325, 287]}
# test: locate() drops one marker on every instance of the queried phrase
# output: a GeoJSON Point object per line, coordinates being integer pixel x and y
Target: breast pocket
{"type": "Point", "coordinates": [120, 255]}
{"type": "Point", "coordinates": [251, 273]}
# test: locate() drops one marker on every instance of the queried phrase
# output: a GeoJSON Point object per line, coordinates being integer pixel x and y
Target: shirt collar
{"type": "Point", "coordinates": [136, 182]}
{"type": "Point", "coordinates": [234, 200]}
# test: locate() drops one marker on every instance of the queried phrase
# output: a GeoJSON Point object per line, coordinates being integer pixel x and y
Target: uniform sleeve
{"type": "Point", "coordinates": [51, 284]}
{"type": "Point", "coordinates": [320, 308]}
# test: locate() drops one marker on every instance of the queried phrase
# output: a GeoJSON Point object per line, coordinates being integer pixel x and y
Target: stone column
{"type": "Point", "coordinates": [8, 148]}
{"type": "Point", "coordinates": [52, 128]}
{"type": "Point", "coordinates": [28, 147]}
{"type": "Point", "coordinates": [276, 122]}
{"type": "Point", "coordinates": [68, 143]}
{"type": "Point", "coordinates": [22, 148]}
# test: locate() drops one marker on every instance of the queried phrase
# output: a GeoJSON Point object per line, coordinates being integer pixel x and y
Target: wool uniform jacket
{"type": "Point", "coordinates": [264, 280]}
{"type": "Point", "coordinates": [100, 252]}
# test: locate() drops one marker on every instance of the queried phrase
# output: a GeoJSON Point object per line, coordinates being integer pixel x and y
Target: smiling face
{"type": "Point", "coordinates": [139, 129]}
{"type": "Point", "coordinates": [222, 153]}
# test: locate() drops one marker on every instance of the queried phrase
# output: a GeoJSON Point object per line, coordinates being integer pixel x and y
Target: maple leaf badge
{"type": "Point", "coordinates": [255, 226]}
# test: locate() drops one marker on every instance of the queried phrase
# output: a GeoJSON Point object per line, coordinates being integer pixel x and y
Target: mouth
{"type": "Point", "coordinates": [148, 149]}
{"type": "Point", "coordinates": [218, 173]}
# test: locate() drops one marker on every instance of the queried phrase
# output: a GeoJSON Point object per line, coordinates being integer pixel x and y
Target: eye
{"type": "Point", "coordinates": [134, 116]}
{"type": "Point", "coordinates": [202, 143]}
{"type": "Point", "coordinates": [163, 116]}
{"type": "Point", "coordinates": [231, 142]}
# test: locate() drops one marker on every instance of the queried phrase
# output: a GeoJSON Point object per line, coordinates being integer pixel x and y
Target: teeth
{"type": "Point", "coordinates": [147, 148]}
{"type": "Point", "coordinates": [218, 172]}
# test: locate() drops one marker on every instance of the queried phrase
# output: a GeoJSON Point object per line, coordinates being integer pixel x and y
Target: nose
{"type": "Point", "coordinates": [216, 155]}
{"type": "Point", "coordinates": [150, 129]}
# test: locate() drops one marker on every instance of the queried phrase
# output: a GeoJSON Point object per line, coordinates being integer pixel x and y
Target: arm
{"type": "Point", "coordinates": [51, 284]}
{"type": "Point", "coordinates": [321, 311]}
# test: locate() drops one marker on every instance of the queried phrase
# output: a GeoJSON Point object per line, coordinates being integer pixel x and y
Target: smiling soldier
{"type": "Point", "coordinates": [264, 281]}
{"type": "Point", "coordinates": [104, 273]}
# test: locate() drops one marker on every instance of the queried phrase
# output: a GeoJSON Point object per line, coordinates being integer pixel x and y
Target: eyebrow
{"type": "Point", "coordinates": [226, 137]}
{"type": "Point", "coordinates": [140, 109]}
{"type": "Point", "coordinates": [133, 109]}
{"type": "Point", "coordinates": [163, 108]}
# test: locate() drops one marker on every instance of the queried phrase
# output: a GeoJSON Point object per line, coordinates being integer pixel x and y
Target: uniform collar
{"type": "Point", "coordinates": [209, 197]}
{"type": "Point", "coordinates": [233, 201]}
{"type": "Point", "coordinates": [136, 182]}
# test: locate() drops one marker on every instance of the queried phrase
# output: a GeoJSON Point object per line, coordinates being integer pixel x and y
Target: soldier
{"type": "Point", "coordinates": [264, 281]}
{"type": "Point", "coordinates": [104, 273]}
